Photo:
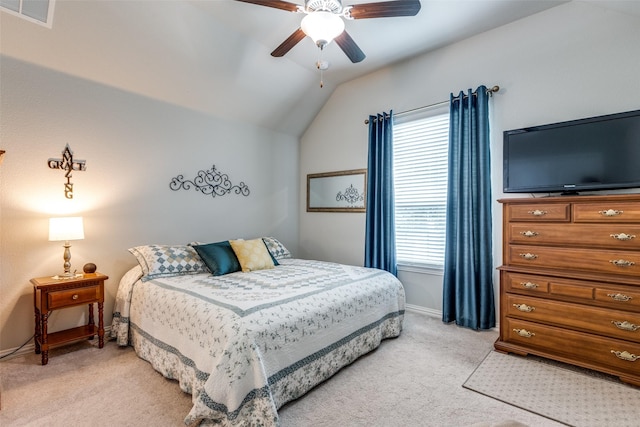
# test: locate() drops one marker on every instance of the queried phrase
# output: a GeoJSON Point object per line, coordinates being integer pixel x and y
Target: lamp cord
{"type": "Point", "coordinates": [18, 349]}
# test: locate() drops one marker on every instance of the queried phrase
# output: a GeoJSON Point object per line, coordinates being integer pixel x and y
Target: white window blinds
{"type": "Point", "coordinates": [420, 173]}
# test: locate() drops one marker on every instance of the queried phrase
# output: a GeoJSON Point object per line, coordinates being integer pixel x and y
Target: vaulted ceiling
{"type": "Point", "coordinates": [383, 40]}
{"type": "Point", "coordinates": [213, 56]}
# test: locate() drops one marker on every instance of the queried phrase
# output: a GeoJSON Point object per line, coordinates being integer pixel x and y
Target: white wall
{"type": "Point", "coordinates": [133, 147]}
{"type": "Point", "coordinates": [570, 62]}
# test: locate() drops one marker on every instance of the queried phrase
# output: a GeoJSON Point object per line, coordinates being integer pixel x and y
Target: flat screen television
{"type": "Point", "coordinates": [596, 153]}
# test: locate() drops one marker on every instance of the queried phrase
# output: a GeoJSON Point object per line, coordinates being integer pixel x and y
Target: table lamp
{"type": "Point", "coordinates": [65, 229]}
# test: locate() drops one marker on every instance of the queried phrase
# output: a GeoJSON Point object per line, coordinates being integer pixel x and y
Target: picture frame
{"type": "Point", "coordinates": [341, 191]}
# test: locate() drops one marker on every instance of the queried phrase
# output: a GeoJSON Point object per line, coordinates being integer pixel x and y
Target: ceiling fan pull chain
{"type": "Point", "coordinates": [320, 66]}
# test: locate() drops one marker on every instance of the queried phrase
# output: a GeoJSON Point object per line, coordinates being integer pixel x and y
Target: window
{"type": "Point", "coordinates": [421, 148]}
{"type": "Point", "coordinates": [38, 11]}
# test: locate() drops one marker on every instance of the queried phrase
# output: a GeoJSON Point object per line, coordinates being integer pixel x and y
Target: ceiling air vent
{"type": "Point", "coordinates": [38, 11]}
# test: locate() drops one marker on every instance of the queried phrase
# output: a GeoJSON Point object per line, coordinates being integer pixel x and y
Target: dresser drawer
{"type": "Point", "coordinates": [70, 297]}
{"type": "Point", "coordinates": [626, 299]}
{"type": "Point", "coordinates": [538, 212]}
{"type": "Point", "coordinates": [601, 261]}
{"type": "Point", "coordinates": [614, 236]}
{"type": "Point", "coordinates": [525, 283]}
{"type": "Point", "coordinates": [606, 212]}
{"type": "Point", "coordinates": [607, 322]}
{"type": "Point", "coordinates": [588, 350]}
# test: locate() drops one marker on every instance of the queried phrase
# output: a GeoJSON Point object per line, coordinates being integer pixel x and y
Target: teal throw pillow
{"type": "Point", "coordinates": [218, 257]}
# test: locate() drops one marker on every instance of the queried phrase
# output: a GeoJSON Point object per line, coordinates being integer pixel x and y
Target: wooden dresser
{"type": "Point", "coordinates": [570, 281]}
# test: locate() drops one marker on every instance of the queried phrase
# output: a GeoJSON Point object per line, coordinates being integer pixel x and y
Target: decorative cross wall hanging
{"type": "Point", "coordinates": [68, 164]}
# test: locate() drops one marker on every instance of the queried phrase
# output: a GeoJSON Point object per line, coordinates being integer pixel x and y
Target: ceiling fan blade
{"type": "Point", "coordinates": [349, 47]}
{"type": "Point", "coordinates": [277, 4]}
{"type": "Point", "coordinates": [385, 9]}
{"type": "Point", "coordinates": [290, 42]}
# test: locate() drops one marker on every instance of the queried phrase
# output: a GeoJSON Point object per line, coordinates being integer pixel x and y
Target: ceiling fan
{"type": "Point", "coordinates": [324, 21]}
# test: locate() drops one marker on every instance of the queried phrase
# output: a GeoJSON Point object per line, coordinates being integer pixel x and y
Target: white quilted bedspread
{"type": "Point", "coordinates": [244, 344]}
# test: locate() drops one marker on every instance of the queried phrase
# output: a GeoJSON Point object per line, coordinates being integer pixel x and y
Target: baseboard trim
{"type": "Point", "coordinates": [424, 310]}
{"type": "Point", "coordinates": [19, 351]}
{"type": "Point", "coordinates": [436, 313]}
{"type": "Point", "coordinates": [31, 348]}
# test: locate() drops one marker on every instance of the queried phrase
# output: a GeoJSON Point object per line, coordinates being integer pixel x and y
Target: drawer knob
{"type": "Point", "coordinates": [626, 326]}
{"type": "Point", "coordinates": [529, 256]}
{"type": "Point", "coordinates": [529, 285]}
{"type": "Point", "coordinates": [524, 307]}
{"type": "Point", "coordinates": [623, 236]}
{"type": "Point", "coordinates": [537, 212]}
{"type": "Point", "coordinates": [625, 355]}
{"type": "Point", "coordinates": [74, 297]}
{"type": "Point", "coordinates": [620, 297]}
{"type": "Point", "coordinates": [529, 233]}
{"type": "Point", "coordinates": [611, 212]}
{"type": "Point", "coordinates": [622, 263]}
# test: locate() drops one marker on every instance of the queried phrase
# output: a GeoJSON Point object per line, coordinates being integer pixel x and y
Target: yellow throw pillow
{"type": "Point", "coordinates": [252, 254]}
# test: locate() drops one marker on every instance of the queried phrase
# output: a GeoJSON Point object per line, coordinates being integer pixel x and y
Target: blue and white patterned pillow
{"type": "Point", "coordinates": [277, 249]}
{"type": "Point", "coordinates": [168, 260]}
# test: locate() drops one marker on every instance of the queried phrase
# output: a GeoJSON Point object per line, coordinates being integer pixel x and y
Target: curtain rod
{"type": "Point", "coordinates": [437, 104]}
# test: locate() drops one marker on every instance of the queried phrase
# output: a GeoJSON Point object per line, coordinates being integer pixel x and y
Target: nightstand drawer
{"type": "Point", "coordinates": [70, 297]}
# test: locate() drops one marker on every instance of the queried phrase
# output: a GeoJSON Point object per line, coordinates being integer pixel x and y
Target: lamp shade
{"type": "Point", "coordinates": [322, 27]}
{"type": "Point", "coordinates": [70, 228]}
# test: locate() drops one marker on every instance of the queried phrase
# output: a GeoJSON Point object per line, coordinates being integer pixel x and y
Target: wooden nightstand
{"type": "Point", "coordinates": [53, 294]}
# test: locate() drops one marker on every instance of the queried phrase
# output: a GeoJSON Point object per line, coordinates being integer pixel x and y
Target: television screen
{"type": "Point", "coordinates": [596, 153]}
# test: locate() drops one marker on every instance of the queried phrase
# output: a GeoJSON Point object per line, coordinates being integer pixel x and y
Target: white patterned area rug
{"type": "Point", "coordinates": [575, 397]}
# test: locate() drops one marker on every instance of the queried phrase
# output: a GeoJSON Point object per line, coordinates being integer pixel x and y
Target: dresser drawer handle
{"type": "Point", "coordinates": [529, 256]}
{"type": "Point", "coordinates": [625, 326]}
{"type": "Point", "coordinates": [611, 212]}
{"type": "Point", "coordinates": [74, 297]}
{"type": "Point", "coordinates": [625, 355]}
{"type": "Point", "coordinates": [620, 297]}
{"type": "Point", "coordinates": [524, 307]}
{"type": "Point", "coordinates": [622, 263]}
{"type": "Point", "coordinates": [530, 233]}
{"type": "Point", "coordinates": [529, 285]}
{"type": "Point", "coordinates": [524, 333]}
{"type": "Point", "coordinates": [623, 236]}
{"type": "Point", "coordinates": [537, 212]}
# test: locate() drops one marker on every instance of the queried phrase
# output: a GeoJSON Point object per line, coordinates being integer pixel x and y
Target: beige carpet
{"type": "Point", "coordinates": [414, 380]}
{"type": "Point", "coordinates": [570, 395]}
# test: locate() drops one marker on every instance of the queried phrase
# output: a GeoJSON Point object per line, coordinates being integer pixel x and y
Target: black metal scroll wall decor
{"type": "Point", "coordinates": [69, 165]}
{"type": "Point", "coordinates": [350, 195]}
{"type": "Point", "coordinates": [210, 182]}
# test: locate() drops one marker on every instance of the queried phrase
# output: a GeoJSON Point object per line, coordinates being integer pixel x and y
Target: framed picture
{"type": "Point", "coordinates": [343, 191]}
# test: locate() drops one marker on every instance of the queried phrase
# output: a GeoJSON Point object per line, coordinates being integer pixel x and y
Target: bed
{"type": "Point", "coordinates": [243, 343]}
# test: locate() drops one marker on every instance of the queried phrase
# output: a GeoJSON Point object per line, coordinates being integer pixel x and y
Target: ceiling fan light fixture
{"type": "Point", "coordinates": [322, 27]}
